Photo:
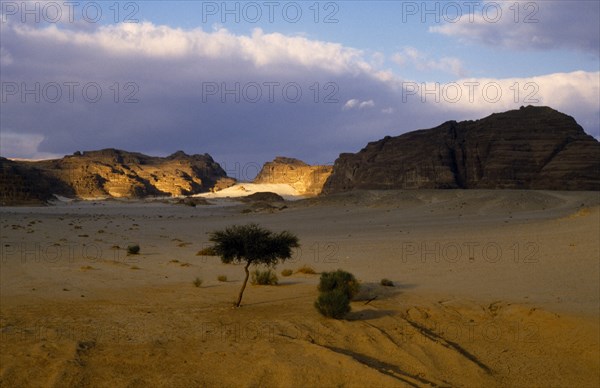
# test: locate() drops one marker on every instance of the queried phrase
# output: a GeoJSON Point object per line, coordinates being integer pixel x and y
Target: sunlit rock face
{"type": "Point", "coordinates": [306, 179]}
{"type": "Point", "coordinates": [111, 173]}
{"type": "Point", "coordinates": [529, 148]}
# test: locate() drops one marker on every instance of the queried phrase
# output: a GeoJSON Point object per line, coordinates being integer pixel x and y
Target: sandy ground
{"type": "Point", "coordinates": [493, 288]}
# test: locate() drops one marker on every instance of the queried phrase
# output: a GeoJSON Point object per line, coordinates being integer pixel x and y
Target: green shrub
{"type": "Point", "coordinates": [208, 251]}
{"type": "Point", "coordinates": [333, 304]}
{"type": "Point", "coordinates": [264, 278]}
{"type": "Point", "coordinates": [287, 272]}
{"type": "Point", "coordinates": [133, 249]}
{"type": "Point", "coordinates": [387, 282]}
{"type": "Point", "coordinates": [339, 280]}
{"type": "Point", "coordinates": [306, 269]}
{"type": "Point", "coordinates": [222, 278]}
{"type": "Point", "coordinates": [336, 290]}
{"type": "Point", "coordinates": [197, 282]}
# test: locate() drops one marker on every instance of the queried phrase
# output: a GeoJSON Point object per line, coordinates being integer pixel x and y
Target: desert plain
{"type": "Point", "coordinates": [492, 288]}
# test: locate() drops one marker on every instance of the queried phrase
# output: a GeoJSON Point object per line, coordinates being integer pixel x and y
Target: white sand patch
{"type": "Point", "coordinates": [245, 189]}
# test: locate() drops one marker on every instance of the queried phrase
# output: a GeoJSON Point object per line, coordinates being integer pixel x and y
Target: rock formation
{"type": "Point", "coordinates": [21, 183]}
{"type": "Point", "coordinates": [529, 148]}
{"type": "Point", "coordinates": [110, 173]}
{"type": "Point", "coordinates": [306, 179]}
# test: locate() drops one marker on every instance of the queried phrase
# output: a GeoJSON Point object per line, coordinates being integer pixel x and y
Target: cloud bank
{"type": "Point", "coordinates": [242, 98]}
{"type": "Point", "coordinates": [540, 25]}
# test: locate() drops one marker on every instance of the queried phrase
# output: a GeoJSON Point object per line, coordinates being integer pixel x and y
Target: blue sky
{"type": "Point", "coordinates": [374, 66]}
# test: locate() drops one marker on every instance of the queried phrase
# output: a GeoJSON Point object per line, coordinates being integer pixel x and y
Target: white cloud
{"type": "Point", "coordinates": [351, 104]}
{"type": "Point", "coordinates": [5, 58]}
{"type": "Point", "coordinates": [422, 62]}
{"type": "Point", "coordinates": [398, 59]}
{"type": "Point", "coordinates": [357, 104]}
{"type": "Point", "coordinates": [24, 146]}
{"type": "Point", "coordinates": [366, 104]}
{"type": "Point", "coordinates": [568, 91]}
{"type": "Point", "coordinates": [377, 59]}
{"type": "Point", "coordinates": [152, 41]}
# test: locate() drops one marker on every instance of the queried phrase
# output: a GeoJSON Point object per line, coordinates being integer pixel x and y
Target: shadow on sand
{"type": "Point", "coordinates": [368, 314]}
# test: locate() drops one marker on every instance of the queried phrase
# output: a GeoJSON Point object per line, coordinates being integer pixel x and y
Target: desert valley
{"type": "Point", "coordinates": [486, 232]}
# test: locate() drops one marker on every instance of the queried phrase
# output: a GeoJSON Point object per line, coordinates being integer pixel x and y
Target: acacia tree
{"type": "Point", "coordinates": [252, 244]}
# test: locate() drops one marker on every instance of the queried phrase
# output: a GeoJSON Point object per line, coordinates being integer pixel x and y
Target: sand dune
{"type": "Point", "coordinates": [493, 288]}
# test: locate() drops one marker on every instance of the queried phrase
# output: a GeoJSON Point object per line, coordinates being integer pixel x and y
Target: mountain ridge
{"type": "Point", "coordinates": [110, 173]}
{"type": "Point", "coordinates": [528, 148]}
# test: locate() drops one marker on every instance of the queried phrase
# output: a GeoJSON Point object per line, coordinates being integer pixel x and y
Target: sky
{"type": "Point", "coordinates": [246, 81]}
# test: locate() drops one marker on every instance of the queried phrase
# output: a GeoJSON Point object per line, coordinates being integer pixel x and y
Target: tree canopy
{"type": "Point", "coordinates": [252, 244]}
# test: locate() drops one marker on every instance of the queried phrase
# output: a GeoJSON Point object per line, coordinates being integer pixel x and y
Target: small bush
{"type": "Point", "coordinates": [264, 278]}
{"type": "Point", "coordinates": [306, 269]}
{"type": "Point", "coordinates": [287, 272]}
{"type": "Point", "coordinates": [336, 290]}
{"type": "Point", "coordinates": [387, 282]}
{"type": "Point", "coordinates": [333, 304]}
{"type": "Point", "coordinates": [133, 249]}
{"type": "Point", "coordinates": [222, 278]}
{"type": "Point", "coordinates": [197, 282]}
{"type": "Point", "coordinates": [339, 280]}
{"type": "Point", "coordinates": [208, 251]}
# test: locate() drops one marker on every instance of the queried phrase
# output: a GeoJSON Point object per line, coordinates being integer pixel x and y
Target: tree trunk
{"type": "Point", "coordinates": [239, 301]}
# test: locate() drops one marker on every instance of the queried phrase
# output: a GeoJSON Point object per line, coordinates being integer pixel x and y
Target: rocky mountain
{"type": "Point", "coordinates": [110, 173]}
{"type": "Point", "coordinates": [21, 183]}
{"type": "Point", "coordinates": [306, 179]}
{"type": "Point", "coordinates": [529, 148]}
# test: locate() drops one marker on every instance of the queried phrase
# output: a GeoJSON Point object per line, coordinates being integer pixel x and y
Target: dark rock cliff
{"type": "Point", "coordinates": [529, 148]}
